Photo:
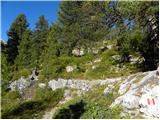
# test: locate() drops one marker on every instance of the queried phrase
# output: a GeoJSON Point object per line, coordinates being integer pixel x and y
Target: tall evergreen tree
{"type": "Point", "coordinates": [15, 35]}
{"type": "Point", "coordinates": [39, 37]}
{"type": "Point", "coordinates": [144, 33]}
{"type": "Point", "coordinates": [24, 56]}
{"type": "Point", "coordinates": [81, 24]}
{"type": "Point", "coordinates": [51, 51]}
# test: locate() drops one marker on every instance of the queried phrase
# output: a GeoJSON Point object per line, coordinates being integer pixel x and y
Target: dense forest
{"type": "Point", "coordinates": [132, 27]}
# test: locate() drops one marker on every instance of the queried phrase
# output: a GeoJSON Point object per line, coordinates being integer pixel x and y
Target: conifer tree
{"type": "Point", "coordinates": [39, 37]}
{"type": "Point", "coordinates": [24, 50]}
{"type": "Point", "coordinates": [15, 32]}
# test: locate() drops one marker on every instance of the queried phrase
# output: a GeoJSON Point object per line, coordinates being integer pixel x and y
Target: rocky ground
{"type": "Point", "coordinates": [138, 93]}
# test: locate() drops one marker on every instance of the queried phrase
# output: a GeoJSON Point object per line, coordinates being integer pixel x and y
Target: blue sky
{"type": "Point", "coordinates": [32, 10]}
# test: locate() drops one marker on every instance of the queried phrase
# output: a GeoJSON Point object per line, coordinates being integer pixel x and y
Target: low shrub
{"type": "Point", "coordinates": [23, 72]}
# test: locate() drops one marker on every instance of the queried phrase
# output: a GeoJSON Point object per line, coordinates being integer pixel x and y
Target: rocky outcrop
{"type": "Point", "coordinates": [84, 85]}
{"type": "Point", "coordinates": [22, 83]}
{"type": "Point", "coordinates": [136, 92]}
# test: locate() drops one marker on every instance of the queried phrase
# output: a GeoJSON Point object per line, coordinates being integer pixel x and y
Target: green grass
{"type": "Point", "coordinates": [104, 69]}
{"type": "Point", "coordinates": [20, 73]}
{"type": "Point", "coordinates": [94, 105]}
{"type": "Point", "coordinates": [34, 108]}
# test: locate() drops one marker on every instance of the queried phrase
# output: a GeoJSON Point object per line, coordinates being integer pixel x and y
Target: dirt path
{"type": "Point", "coordinates": [50, 112]}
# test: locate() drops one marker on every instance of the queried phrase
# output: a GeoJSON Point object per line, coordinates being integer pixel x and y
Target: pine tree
{"type": "Point", "coordinates": [144, 32]}
{"type": "Point", "coordinates": [6, 72]}
{"type": "Point", "coordinates": [81, 24]}
{"type": "Point", "coordinates": [15, 35]}
{"type": "Point", "coordinates": [24, 50]}
{"type": "Point", "coordinates": [51, 51]}
{"type": "Point", "coordinates": [39, 37]}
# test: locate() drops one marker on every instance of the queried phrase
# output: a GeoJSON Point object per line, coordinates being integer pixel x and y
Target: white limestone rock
{"type": "Point", "coordinates": [71, 68]}
{"type": "Point", "coordinates": [124, 87]}
{"type": "Point", "coordinates": [53, 84]}
{"type": "Point", "coordinates": [42, 85]}
{"type": "Point", "coordinates": [130, 101]}
{"type": "Point", "coordinates": [150, 110]}
{"type": "Point", "coordinates": [97, 60]}
{"type": "Point", "coordinates": [20, 84]}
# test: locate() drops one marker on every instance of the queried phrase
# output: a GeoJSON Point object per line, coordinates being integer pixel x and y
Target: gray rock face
{"type": "Point", "coordinates": [53, 84]}
{"type": "Point", "coordinates": [130, 101]}
{"type": "Point", "coordinates": [23, 83]}
{"type": "Point", "coordinates": [150, 110]}
{"type": "Point", "coordinates": [84, 85]}
{"type": "Point", "coordinates": [135, 92]}
{"type": "Point", "coordinates": [20, 84]}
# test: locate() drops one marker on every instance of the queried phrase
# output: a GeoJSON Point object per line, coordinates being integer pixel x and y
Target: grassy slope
{"type": "Point", "coordinates": [95, 103]}
{"type": "Point", "coordinates": [15, 107]}
{"type": "Point", "coordinates": [107, 68]}
{"type": "Point", "coordinates": [92, 105]}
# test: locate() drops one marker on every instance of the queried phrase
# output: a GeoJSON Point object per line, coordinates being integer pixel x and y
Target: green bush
{"type": "Point", "coordinates": [23, 72]}
{"type": "Point", "coordinates": [49, 97]}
